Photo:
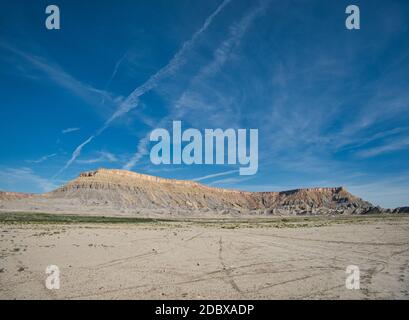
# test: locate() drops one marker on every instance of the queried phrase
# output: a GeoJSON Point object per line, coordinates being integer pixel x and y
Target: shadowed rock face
{"type": "Point", "coordinates": [400, 210]}
{"type": "Point", "coordinates": [127, 190]}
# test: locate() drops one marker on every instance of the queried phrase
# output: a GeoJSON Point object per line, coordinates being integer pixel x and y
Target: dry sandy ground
{"type": "Point", "coordinates": [194, 261]}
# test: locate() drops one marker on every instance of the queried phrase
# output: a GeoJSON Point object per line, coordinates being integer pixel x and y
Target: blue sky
{"type": "Point", "coordinates": [331, 104]}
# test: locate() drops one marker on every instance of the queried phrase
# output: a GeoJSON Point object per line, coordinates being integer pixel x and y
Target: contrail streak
{"type": "Point", "coordinates": [132, 100]}
{"type": "Point", "coordinates": [210, 176]}
{"type": "Point", "coordinates": [116, 68]}
{"type": "Point", "coordinates": [75, 155]}
{"type": "Point", "coordinates": [220, 58]}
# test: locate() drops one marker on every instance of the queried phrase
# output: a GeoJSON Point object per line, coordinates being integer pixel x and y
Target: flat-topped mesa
{"type": "Point", "coordinates": [323, 189]}
{"type": "Point", "coordinates": [120, 191]}
{"type": "Point", "coordinates": [114, 175]}
{"type": "Point", "coordinates": [126, 189]}
{"type": "Point", "coordinates": [315, 189]}
{"type": "Point", "coordinates": [129, 176]}
{"type": "Point", "coordinates": [124, 177]}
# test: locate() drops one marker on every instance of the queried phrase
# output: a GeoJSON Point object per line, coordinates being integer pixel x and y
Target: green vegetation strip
{"type": "Point", "coordinates": [66, 218]}
{"type": "Point", "coordinates": [228, 223]}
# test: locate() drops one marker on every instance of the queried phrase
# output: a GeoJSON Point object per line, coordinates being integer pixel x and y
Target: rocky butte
{"type": "Point", "coordinates": [120, 192]}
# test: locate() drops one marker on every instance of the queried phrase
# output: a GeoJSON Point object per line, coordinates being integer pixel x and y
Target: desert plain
{"type": "Point", "coordinates": [274, 258]}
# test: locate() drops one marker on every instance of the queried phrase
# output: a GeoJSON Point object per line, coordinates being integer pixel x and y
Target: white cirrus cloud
{"type": "Point", "coordinates": [210, 176]}
{"type": "Point", "coordinates": [69, 130]}
{"type": "Point", "coordinates": [23, 179]}
{"type": "Point", "coordinates": [102, 156]}
{"type": "Point", "coordinates": [43, 158]}
{"type": "Point", "coordinates": [169, 69]}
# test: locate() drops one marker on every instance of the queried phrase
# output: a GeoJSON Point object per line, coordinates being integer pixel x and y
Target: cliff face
{"type": "Point", "coordinates": [126, 190]}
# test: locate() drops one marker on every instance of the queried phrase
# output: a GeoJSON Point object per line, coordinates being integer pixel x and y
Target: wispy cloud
{"type": "Point", "coordinates": [170, 68]}
{"type": "Point", "coordinates": [211, 176]}
{"type": "Point", "coordinates": [56, 74]}
{"type": "Point", "coordinates": [42, 159]}
{"type": "Point", "coordinates": [116, 68]}
{"type": "Point", "coordinates": [74, 155]}
{"type": "Point", "coordinates": [387, 148]}
{"type": "Point", "coordinates": [231, 181]}
{"type": "Point", "coordinates": [197, 96]}
{"type": "Point", "coordinates": [69, 130]}
{"type": "Point", "coordinates": [355, 142]}
{"type": "Point", "coordinates": [141, 151]}
{"type": "Point", "coordinates": [102, 156]}
{"type": "Point", "coordinates": [18, 179]}
{"type": "Point", "coordinates": [390, 192]}
{"type": "Point", "coordinates": [194, 99]}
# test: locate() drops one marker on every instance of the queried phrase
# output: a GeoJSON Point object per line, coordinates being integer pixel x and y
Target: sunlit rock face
{"type": "Point", "coordinates": [129, 192]}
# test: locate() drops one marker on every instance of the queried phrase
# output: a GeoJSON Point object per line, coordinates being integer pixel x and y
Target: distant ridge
{"type": "Point", "coordinates": [6, 196]}
{"type": "Point", "coordinates": [120, 192]}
